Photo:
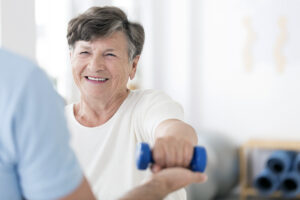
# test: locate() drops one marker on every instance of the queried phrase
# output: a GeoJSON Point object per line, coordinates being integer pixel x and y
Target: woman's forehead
{"type": "Point", "coordinates": [116, 40]}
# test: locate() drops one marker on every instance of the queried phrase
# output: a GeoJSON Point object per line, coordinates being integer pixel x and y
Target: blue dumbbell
{"type": "Point", "coordinates": [144, 158]}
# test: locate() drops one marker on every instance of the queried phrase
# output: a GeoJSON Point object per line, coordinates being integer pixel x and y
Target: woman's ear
{"type": "Point", "coordinates": [134, 67]}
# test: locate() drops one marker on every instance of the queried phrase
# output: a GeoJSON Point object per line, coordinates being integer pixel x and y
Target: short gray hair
{"type": "Point", "coordinates": [102, 22]}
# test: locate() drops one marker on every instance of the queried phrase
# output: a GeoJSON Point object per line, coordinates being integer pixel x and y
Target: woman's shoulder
{"type": "Point", "coordinates": [147, 93]}
{"type": "Point", "coordinates": [148, 97]}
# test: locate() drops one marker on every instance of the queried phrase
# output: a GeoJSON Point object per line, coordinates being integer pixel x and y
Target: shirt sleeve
{"type": "Point", "coordinates": [46, 165]}
{"type": "Point", "coordinates": [154, 108]}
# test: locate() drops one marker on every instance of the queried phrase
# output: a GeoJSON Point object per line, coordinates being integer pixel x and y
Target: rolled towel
{"type": "Point", "coordinates": [280, 162]}
{"type": "Point", "coordinates": [290, 184]}
{"type": "Point", "coordinates": [266, 182]}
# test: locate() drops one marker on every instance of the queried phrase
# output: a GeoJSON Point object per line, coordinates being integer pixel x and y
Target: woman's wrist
{"type": "Point", "coordinates": [160, 185]}
{"type": "Point", "coordinates": [153, 189]}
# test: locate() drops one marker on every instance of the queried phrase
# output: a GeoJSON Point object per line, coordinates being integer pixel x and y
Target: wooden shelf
{"type": "Point", "coordinates": [246, 189]}
{"type": "Point", "coordinates": [273, 144]}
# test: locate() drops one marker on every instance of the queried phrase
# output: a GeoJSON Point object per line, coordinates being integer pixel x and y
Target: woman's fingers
{"type": "Point", "coordinates": [171, 152]}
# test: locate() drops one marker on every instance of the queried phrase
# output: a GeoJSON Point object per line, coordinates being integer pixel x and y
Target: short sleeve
{"type": "Point", "coordinates": [46, 165]}
{"type": "Point", "coordinates": [154, 108]}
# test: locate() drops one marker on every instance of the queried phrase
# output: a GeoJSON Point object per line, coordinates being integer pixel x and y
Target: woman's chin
{"type": "Point", "coordinates": [94, 93]}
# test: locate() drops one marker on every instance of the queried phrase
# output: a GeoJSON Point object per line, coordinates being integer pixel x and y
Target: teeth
{"type": "Point", "coordinates": [96, 79]}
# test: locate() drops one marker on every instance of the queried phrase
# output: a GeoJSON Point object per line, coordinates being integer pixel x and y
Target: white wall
{"type": "Point", "coordinates": [169, 56]}
{"type": "Point", "coordinates": [18, 26]}
{"type": "Point", "coordinates": [233, 65]}
{"type": "Point", "coordinates": [261, 101]}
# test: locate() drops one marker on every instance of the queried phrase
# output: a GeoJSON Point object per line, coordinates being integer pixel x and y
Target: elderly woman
{"type": "Point", "coordinates": [110, 119]}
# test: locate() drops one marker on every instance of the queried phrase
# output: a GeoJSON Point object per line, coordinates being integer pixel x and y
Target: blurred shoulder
{"type": "Point", "coordinates": [16, 65]}
{"type": "Point", "coordinates": [149, 98]}
{"type": "Point", "coordinates": [19, 75]}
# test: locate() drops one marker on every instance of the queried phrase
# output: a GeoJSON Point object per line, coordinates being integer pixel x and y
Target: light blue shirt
{"type": "Point", "coordinates": [36, 161]}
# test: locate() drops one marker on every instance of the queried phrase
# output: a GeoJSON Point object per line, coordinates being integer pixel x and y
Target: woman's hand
{"type": "Point", "coordinates": [171, 151]}
{"type": "Point", "coordinates": [174, 145]}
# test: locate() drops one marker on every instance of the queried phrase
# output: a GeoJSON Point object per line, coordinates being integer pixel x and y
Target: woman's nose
{"type": "Point", "coordinates": [97, 63]}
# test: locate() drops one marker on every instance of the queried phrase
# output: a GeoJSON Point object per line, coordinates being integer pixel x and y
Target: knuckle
{"type": "Point", "coordinates": [171, 163]}
{"type": "Point", "coordinates": [158, 158]}
{"type": "Point", "coordinates": [179, 161]}
{"type": "Point", "coordinates": [188, 156]}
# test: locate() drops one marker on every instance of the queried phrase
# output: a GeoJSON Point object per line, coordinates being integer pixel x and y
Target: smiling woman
{"type": "Point", "coordinates": [110, 119]}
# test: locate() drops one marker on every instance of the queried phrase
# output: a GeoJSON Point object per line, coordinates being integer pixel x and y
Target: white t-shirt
{"type": "Point", "coordinates": [107, 152]}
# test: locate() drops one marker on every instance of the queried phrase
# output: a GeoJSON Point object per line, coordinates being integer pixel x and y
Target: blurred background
{"type": "Point", "coordinates": [234, 65]}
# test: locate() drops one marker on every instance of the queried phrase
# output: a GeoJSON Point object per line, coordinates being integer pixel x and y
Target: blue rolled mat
{"type": "Point", "coordinates": [280, 162]}
{"type": "Point", "coordinates": [296, 166]}
{"type": "Point", "coordinates": [290, 184]}
{"type": "Point", "coordinates": [266, 182]}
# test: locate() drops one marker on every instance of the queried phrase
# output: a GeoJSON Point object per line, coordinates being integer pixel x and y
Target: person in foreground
{"type": "Point", "coordinates": [110, 120]}
{"type": "Point", "coordinates": [36, 161]}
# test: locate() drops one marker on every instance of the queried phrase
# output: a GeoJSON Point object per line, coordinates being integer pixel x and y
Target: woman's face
{"type": "Point", "coordinates": [101, 67]}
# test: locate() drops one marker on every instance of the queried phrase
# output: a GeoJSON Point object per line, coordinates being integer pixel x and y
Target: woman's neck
{"type": "Point", "coordinates": [95, 112]}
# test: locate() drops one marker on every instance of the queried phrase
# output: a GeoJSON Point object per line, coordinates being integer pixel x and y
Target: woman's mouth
{"type": "Point", "coordinates": [95, 79]}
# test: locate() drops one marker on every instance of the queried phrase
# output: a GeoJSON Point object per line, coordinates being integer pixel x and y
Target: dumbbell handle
{"type": "Point", "coordinates": [144, 158]}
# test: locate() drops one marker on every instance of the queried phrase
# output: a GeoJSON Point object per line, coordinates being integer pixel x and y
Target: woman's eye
{"type": "Point", "coordinates": [84, 52]}
{"type": "Point", "coordinates": [110, 54]}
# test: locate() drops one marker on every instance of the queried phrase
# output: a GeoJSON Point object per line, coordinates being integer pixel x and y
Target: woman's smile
{"type": "Point", "coordinates": [96, 79]}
